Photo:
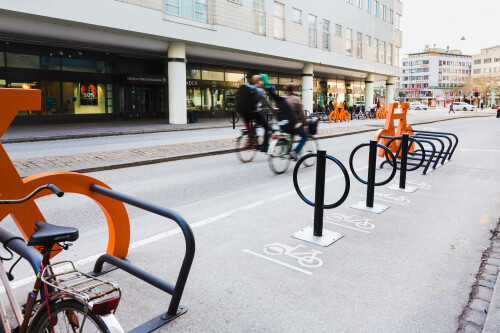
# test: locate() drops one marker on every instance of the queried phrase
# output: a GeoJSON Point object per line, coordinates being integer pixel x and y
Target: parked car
{"type": "Point", "coordinates": [417, 106]}
{"type": "Point", "coordinates": [458, 106]}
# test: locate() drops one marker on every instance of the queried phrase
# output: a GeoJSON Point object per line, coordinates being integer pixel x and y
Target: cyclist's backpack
{"type": "Point", "coordinates": [247, 99]}
{"type": "Point", "coordinates": [286, 120]}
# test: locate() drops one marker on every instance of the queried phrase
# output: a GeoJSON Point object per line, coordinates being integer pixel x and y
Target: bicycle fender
{"type": "Point", "coordinates": [270, 148]}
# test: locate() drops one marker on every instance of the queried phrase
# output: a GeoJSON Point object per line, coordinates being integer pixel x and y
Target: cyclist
{"type": "Point", "coordinates": [301, 128]}
{"type": "Point", "coordinates": [250, 96]}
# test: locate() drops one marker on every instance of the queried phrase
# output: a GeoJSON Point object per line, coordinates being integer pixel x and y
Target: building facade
{"type": "Point", "coordinates": [486, 72]}
{"type": "Point", "coordinates": [164, 58]}
{"type": "Point", "coordinates": [435, 76]}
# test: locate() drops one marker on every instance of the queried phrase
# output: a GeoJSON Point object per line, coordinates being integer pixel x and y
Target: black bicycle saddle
{"type": "Point", "coordinates": [47, 234]}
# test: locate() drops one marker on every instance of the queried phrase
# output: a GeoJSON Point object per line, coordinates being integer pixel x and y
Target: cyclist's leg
{"type": "Point", "coordinates": [261, 120]}
{"type": "Point", "coordinates": [302, 133]}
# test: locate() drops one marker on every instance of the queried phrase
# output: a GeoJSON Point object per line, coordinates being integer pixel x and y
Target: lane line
{"type": "Point", "coordinates": [480, 150]}
{"type": "Point", "coordinates": [160, 236]}
{"type": "Point", "coordinates": [278, 262]}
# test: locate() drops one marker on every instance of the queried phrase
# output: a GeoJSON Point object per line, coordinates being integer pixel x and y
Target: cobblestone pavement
{"type": "Point", "coordinates": [88, 162]}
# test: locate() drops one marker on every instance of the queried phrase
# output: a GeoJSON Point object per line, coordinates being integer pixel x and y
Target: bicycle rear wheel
{"type": "Point", "coordinates": [245, 148]}
{"type": "Point", "coordinates": [279, 158]}
{"type": "Point", "coordinates": [311, 146]}
{"type": "Point", "coordinates": [70, 316]}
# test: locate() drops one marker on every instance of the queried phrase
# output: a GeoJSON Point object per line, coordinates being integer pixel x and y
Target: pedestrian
{"type": "Point", "coordinates": [451, 108]}
{"type": "Point", "coordinates": [482, 105]}
{"type": "Point", "coordinates": [301, 128]}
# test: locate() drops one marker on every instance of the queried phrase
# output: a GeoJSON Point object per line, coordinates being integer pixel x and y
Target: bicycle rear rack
{"type": "Point", "coordinates": [174, 310]}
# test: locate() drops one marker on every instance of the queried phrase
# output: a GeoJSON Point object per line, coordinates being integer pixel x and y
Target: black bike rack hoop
{"type": "Point", "coordinates": [174, 310]}
{"type": "Point", "coordinates": [370, 182]}
{"type": "Point", "coordinates": [320, 236]}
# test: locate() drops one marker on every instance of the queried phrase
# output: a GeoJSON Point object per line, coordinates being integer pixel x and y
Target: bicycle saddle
{"type": "Point", "coordinates": [48, 234]}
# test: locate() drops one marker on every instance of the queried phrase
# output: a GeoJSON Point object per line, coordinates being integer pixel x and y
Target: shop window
{"type": "Point", "coordinates": [193, 74]}
{"type": "Point", "coordinates": [235, 77]}
{"type": "Point", "coordinates": [2, 59]}
{"type": "Point", "coordinates": [3, 83]}
{"type": "Point", "coordinates": [273, 79]}
{"type": "Point", "coordinates": [51, 63]}
{"type": "Point", "coordinates": [297, 80]}
{"type": "Point", "coordinates": [194, 99]}
{"type": "Point", "coordinates": [23, 61]}
{"type": "Point", "coordinates": [212, 75]}
{"type": "Point", "coordinates": [51, 97]}
{"type": "Point", "coordinates": [285, 80]}
{"type": "Point", "coordinates": [81, 65]}
{"type": "Point", "coordinates": [83, 97]}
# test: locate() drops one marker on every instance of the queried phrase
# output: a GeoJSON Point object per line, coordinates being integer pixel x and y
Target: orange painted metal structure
{"type": "Point", "coordinates": [339, 113]}
{"type": "Point", "coordinates": [390, 130]}
{"type": "Point", "coordinates": [381, 112]}
{"type": "Point", "coordinates": [12, 186]}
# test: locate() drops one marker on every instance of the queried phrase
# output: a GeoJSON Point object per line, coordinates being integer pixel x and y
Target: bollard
{"type": "Point", "coordinates": [319, 236]}
{"type": "Point", "coordinates": [369, 205]}
{"type": "Point", "coordinates": [234, 122]}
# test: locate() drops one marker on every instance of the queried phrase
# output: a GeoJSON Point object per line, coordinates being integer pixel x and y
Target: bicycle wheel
{"type": "Point", "coordinates": [311, 261]}
{"type": "Point", "coordinates": [236, 117]}
{"type": "Point", "coordinates": [70, 316]}
{"type": "Point", "coordinates": [279, 158]}
{"type": "Point", "coordinates": [245, 149]}
{"type": "Point", "coordinates": [311, 146]}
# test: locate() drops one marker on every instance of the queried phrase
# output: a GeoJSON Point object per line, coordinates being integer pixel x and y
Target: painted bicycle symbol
{"type": "Point", "coordinates": [421, 185]}
{"type": "Point", "coordinates": [306, 259]}
{"type": "Point", "coordinates": [396, 199]}
{"type": "Point", "coordinates": [359, 222]}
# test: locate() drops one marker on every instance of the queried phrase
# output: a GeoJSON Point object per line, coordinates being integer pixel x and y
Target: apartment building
{"type": "Point", "coordinates": [487, 64]}
{"type": "Point", "coordinates": [163, 58]}
{"type": "Point", "coordinates": [435, 76]}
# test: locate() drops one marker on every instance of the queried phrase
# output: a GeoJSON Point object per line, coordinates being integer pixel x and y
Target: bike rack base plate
{"type": "Point", "coordinates": [377, 208]}
{"type": "Point", "coordinates": [159, 321]}
{"type": "Point", "coordinates": [328, 238]}
{"type": "Point", "coordinates": [407, 189]}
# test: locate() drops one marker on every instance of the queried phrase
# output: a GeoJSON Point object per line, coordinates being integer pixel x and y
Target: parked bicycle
{"type": "Point", "coordinates": [279, 157]}
{"type": "Point", "coordinates": [71, 301]}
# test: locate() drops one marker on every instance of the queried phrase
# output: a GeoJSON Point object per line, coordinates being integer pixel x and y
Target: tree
{"type": "Point", "coordinates": [484, 84]}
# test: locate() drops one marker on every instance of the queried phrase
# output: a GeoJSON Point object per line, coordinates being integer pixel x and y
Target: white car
{"type": "Point", "coordinates": [459, 106]}
{"type": "Point", "coordinates": [418, 106]}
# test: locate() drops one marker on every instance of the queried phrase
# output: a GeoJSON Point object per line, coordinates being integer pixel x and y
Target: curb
{"type": "Point", "coordinates": [228, 151]}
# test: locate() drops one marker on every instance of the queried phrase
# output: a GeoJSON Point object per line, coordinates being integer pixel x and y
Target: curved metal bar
{"type": "Point", "coordinates": [344, 172]}
{"type": "Point", "coordinates": [394, 169]}
{"type": "Point", "coordinates": [186, 230]}
{"type": "Point", "coordinates": [21, 248]}
{"type": "Point", "coordinates": [443, 133]}
{"type": "Point", "coordinates": [431, 157]}
{"type": "Point", "coordinates": [441, 151]}
{"type": "Point", "coordinates": [412, 139]}
{"type": "Point", "coordinates": [439, 136]}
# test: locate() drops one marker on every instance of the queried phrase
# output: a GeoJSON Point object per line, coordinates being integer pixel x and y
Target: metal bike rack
{"type": "Point", "coordinates": [319, 236]}
{"type": "Point", "coordinates": [447, 135]}
{"type": "Point", "coordinates": [402, 154]}
{"type": "Point", "coordinates": [370, 206]}
{"type": "Point", "coordinates": [234, 120]}
{"type": "Point", "coordinates": [174, 310]}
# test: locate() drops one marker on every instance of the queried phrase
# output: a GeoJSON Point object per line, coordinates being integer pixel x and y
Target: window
{"type": "Point", "coordinates": [487, 61]}
{"type": "Point", "coordinates": [384, 10]}
{"type": "Point", "coordinates": [390, 50]}
{"type": "Point", "coordinates": [81, 65]}
{"type": "Point", "coordinates": [382, 54]}
{"type": "Point", "coordinates": [477, 62]}
{"type": "Point", "coordinates": [326, 34]}
{"type": "Point", "coordinates": [235, 1]}
{"type": "Point", "coordinates": [296, 15]}
{"type": "Point", "coordinates": [279, 21]}
{"type": "Point", "coordinates": [349, 1]}
{"type": "Point", "coordinates": [377, 5]}
{"type": "Point", "coordinates": [192, 9]}
{"type": "Point", "coordinates": [391, 16]}
{"type": "Point", "coordinates": [359, 3]}
{"type": "Point", "coordinates": [23, 61]}
{"type": "Point", "coordinates": [259, 17]}
{"type": "Point", "coordinates": [368, 40]}
{"type": "Point", "coordinates": [377, 44]}
{"type": "Point", "coordinates": [348, 42]}
{"type": "Point", "coordinates": [369, 6]}
{"type": "Point", "coordinates": [359, 45]}
{"type": "Point", "coordinates": [312, 31]}
{"type": "Point", "coordinates": [338, 30]}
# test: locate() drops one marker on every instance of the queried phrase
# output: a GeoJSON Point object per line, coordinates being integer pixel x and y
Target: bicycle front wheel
{"type": "Point", "coordinates": [311, 146]}
{"type": "Point", "coordinates": [69, 316]}
{"type": "Point", "coordinates": [245, 149]}
{"type": "Point", "coordinates": [279, 158]}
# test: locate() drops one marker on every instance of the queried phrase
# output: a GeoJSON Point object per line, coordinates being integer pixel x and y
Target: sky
{"type": "Point", "coordinates": [445, 22]}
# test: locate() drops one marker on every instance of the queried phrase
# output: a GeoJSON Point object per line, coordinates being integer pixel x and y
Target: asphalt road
{"type": "Point", "coordinates": [408, 269]}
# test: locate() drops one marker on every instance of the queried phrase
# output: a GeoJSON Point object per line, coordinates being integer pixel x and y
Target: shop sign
{"type": "Point", "coordinates": [88, 94]}
{"type": "Point", "coordinates": [143, 79]}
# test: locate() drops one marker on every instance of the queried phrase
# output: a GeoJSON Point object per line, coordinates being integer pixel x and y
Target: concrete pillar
{"type": "Point", "coordinates": [177, 108]}
{"type": "Point", "coordinates": [389, 91]}
{"type": "Point", "coordinates": [369, 93]}
{"type": "Point", "coordinates": [307, 87]}
{"type": "Point", "coordinates": [493, 97]}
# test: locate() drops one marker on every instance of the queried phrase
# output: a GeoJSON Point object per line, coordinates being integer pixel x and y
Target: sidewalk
{"type": "Point", "coordinates": [98, 161]}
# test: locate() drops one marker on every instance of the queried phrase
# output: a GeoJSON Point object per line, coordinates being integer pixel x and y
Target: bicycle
{"type": "Point", "coordinates": [71, 301]}
{"type": "Point", "coordinates": [306, 259]}
{"type": "Point", "coordinates": [279, 152]}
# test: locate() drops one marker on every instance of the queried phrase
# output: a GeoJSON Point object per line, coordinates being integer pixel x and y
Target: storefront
{"type": "Point", "coordinates": [329, 91]}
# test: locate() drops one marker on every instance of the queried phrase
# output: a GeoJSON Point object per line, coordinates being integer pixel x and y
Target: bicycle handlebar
{"type": "Point", "coordinates": [51, 187]}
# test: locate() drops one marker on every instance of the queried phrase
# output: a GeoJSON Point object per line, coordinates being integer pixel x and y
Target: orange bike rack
{"type": "Point", "coordinates": [339, 113]}
{"type": "Point", "coordinates": [12, 186]}
{"type": "Point", "coordinates": [381, 112]}
{"type": "Point", "coordinates": [389, 129]}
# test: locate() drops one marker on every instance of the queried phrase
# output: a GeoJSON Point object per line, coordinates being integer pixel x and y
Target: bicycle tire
{"type": "Point", "coordinates": [245, 149]}
{"type": "Point", "coordinates": [311, 146]}
{"type": "Point", "coordinates": [92, 322]}
{"type": "Point", "coordinates": [279, 160]}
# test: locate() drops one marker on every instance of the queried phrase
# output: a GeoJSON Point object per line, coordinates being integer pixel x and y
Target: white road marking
{"type": "Point", "coordinates": [152, 239]}
{"type": "Point", "coordinates": [345, 226]}
{"type": "Point", "coordinates": [278, 262]}
{"type": "Point", "coordinates": [480, 150]}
